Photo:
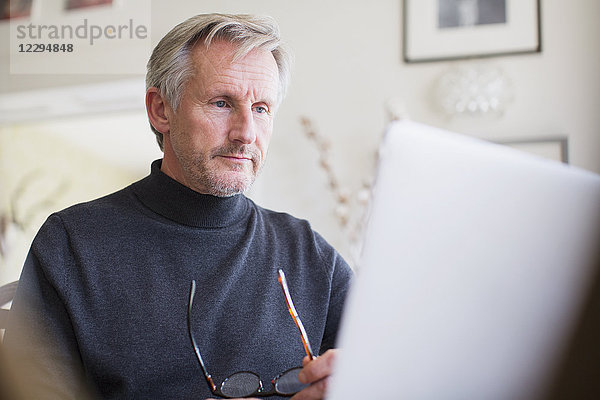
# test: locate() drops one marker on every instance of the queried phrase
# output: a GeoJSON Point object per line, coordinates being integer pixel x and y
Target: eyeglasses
{"type": "Point", "coordinates": [246, 383]}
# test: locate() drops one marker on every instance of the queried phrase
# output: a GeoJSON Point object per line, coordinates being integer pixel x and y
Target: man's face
{"type": "Point", "coordinates": [219, 135]}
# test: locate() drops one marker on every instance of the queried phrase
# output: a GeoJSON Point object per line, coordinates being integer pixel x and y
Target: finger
{"type": "Point", "coordinates": [316, 391]}
{"type": "Point", "coordinates": [305, 361]}
{"type": "Point", "coordinates": [318, 368]}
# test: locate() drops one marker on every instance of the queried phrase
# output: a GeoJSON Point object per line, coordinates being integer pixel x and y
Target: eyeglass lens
{"type": "Point", "coordinates": [288, 383]}
{"type": "Point", "coordinates": [243, 384]}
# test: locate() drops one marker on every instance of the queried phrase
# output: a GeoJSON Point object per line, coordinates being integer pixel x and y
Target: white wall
{"type": "Point", "coordinates": [349, 63]}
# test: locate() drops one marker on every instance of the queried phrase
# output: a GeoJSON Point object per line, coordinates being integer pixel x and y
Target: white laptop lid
{"type": "Point", "coordinates": [476, 261]}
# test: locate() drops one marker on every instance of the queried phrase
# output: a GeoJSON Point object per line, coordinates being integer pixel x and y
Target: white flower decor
{"type": "Point", "coordinates": [474, 90]}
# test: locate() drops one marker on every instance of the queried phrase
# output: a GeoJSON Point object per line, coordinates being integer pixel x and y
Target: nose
{"type": "Point", "coordinates": [242, 127]}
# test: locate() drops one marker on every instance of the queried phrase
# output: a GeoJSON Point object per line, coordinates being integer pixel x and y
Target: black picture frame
{"type": "Point", "coordinates": [425, 41]}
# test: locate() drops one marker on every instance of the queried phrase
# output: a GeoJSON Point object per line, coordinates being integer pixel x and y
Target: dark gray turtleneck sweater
{"type": "Point", "coordinates": [106, 285]}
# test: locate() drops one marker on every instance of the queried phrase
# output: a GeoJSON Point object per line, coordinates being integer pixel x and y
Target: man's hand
{"type": "Point", "coordinates": [316, 372]}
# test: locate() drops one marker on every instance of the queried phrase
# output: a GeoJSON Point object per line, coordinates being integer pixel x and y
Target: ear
{"type": "Point", "coordinates": [156, 107]}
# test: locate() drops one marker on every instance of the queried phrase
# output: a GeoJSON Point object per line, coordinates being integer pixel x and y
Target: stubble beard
{"type": "Point", "coordinates": [206, 172]}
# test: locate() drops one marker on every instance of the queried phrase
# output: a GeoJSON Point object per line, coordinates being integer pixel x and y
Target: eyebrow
{"type": "Point", "coordinates": [232, 97]}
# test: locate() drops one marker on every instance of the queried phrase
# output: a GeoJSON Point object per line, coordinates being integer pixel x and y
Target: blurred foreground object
{"type": "Point", "coordinates": [479, 275]}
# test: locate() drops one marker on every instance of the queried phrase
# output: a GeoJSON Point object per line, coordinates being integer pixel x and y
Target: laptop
{"type": "Point", "coordinates": [478, 278]}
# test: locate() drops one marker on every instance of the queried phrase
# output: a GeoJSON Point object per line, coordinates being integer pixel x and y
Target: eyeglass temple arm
{"type": "Point", "coordinates": [196, 349]}
{"type": "Point", "coordinates": [294, 314]}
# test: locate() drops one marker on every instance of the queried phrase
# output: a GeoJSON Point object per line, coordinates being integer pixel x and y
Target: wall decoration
{"type": "Point", "coordinates": [72, 4]}
{"type": "Point", "coordinates": [15, 9]}
{"type": "Point", "coordinates": [553, 148]}
{"type": "Point", "coordinates": [474, 90]}
{"type": "Point", "coordinates": [436, 30]}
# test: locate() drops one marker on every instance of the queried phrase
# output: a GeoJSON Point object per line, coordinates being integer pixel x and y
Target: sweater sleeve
{"type": "Point", "coordinates": [40, 339]}
{"type": "Point", "coordinates": [341, 278]}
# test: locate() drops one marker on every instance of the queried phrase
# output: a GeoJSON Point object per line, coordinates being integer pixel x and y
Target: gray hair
{"type": "Point", "coordinates": [170, 65]}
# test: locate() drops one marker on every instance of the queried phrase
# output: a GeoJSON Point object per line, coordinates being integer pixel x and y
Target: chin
{"type": "Point", "coordinates": [230, 187]}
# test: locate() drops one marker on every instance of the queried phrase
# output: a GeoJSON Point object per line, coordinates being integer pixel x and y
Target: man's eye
{"type": "Point", "coordinates": [220, 103]}
{"type": "Point", "coordinates": [260, 109]}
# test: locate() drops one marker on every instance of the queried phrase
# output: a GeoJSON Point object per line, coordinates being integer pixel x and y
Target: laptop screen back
{"type": "Point", "coordinates": [477, 261]}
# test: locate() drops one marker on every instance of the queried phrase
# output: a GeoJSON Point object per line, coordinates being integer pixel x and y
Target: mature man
{"type": "Point", "coordinates": [104, 300]}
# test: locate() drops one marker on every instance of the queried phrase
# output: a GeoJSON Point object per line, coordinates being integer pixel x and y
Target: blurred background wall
{"type": "Point", "coordinates": [66, 138]}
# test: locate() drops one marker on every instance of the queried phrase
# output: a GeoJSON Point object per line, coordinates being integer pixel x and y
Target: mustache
{"type": "Point", "coordinates": [238, 151]}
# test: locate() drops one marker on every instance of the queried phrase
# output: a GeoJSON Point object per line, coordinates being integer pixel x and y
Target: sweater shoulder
{"type": "Point", "coordinates": [282, 219]}
{"type": "Point", "coordinates": [107, 204]}
{"type": "Point", "coordinates": [300, 231]}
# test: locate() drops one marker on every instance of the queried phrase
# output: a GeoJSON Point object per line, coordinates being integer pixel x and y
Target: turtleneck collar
{"type": "Point", "coordinates": [169, 198]}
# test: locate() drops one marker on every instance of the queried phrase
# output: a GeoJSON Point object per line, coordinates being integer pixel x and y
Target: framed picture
{"type": "Point", "coordinates": [15, 9]}
{"type": "Point", "coordinates": [436, 30]}
{"type": "Point", "coordinates": [555, 148]}
{"type": "Point", "coordinates": [74, 4]}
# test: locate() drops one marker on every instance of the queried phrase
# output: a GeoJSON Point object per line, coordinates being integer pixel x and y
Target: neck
{"type": "Point", "coordinates": [174, 200]}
